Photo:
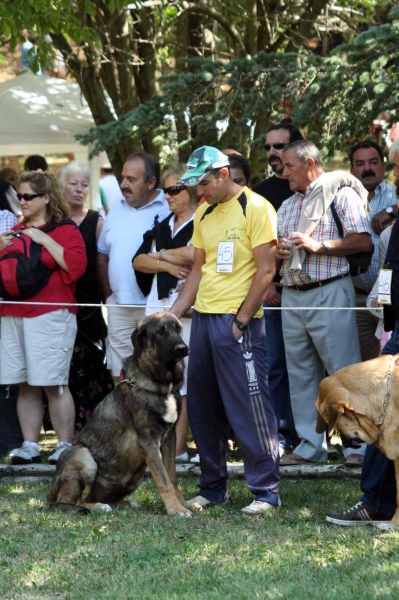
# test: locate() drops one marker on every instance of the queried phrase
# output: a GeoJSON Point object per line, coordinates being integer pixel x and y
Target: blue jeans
{"type": "Point", "coordinates": [378, 482]}
{"type": "Point", "coordinates": [278, 379]}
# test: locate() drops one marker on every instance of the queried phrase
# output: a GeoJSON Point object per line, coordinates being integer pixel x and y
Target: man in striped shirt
{"type": "Point", "coordinates": [368, 165]}
{"type": "Point", "coordinates": [317, 341]}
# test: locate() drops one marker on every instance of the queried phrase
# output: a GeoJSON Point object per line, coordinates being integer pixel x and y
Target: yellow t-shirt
{"type": "Point", "coordinates": [228, 232]}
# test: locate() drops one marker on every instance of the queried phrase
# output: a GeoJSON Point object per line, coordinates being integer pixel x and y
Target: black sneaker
{"type": "Point", "coordinates": [358, 515]}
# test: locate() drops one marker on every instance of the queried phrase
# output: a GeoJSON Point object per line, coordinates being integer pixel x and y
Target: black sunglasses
{"type": "Point", "coordinates": [173, 190]}
{"type": "Point", "coordinates": [28, 197]}
{"type": "Point", "coordinates": [278, 146]}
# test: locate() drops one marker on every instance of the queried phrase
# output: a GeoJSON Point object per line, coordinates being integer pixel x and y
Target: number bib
{"type": "Point", "coordinates": [384, 286]}
{"type": "Point", "coordinates": [225, 260]}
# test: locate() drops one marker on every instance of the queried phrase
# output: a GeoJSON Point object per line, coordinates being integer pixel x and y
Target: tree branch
{"type": "Point", "coordinates": [203, 9]}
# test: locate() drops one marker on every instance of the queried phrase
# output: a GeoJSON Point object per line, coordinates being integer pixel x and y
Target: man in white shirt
{"type": "Point", "coordinates": [143, 207]}
{"type": "Point", "coordinates": [368, 165]}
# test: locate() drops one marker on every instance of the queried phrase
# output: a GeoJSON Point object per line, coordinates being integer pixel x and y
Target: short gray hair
{"type": "Point", "coordinates": [305, 149]}
{"type": "Point", "coordinates": [394, 149]}
{"type": "Point", "coordinates": [73, 167]}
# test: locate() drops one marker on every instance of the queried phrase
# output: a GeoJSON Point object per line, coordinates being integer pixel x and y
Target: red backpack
{"type": "Point", "coordinates": [22, 273]}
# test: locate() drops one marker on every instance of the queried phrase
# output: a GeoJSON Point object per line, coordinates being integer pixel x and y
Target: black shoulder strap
{"type": "Point", "coordinates": [52, 226]}
{"type": "Point", "coordinates": [337, 219]}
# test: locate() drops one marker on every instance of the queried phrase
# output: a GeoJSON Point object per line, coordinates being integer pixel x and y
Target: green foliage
{"type": "Point", "coordinates": [360, 82]}
{"type": "Point", "coordinates": [196, 89]}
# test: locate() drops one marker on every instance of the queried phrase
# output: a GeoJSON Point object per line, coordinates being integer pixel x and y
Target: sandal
{"type": "Point", "coordinates": [293, 459]}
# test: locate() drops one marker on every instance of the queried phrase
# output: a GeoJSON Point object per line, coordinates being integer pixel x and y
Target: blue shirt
{"type": "Point", "coordinates": [384, 196]}
{"type": "Point", "coordinates": [121, 237]}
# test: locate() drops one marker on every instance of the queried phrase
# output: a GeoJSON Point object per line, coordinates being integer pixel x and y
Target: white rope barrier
{"type": "Point", "coordinates": [161, 308]}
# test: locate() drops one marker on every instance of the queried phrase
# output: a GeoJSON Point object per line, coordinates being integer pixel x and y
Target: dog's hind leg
{"type": "Point", "coordinates": [73, 482]}
{"type": "Point", "coordinates": [165, 487]}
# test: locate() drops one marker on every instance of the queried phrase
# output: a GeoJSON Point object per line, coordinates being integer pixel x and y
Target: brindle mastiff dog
{"type": "Point", "coordinates": [134, 426]}
{"type": "Point", "coordinates": [362, 401]}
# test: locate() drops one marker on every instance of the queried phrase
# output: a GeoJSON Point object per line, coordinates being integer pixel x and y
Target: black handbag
{"type": "Point", "coordinates": [360, 262]}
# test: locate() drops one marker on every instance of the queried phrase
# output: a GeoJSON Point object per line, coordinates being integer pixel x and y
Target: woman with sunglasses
{"type": "Point", "coordinates": [37, 339]}
{"type": "Point", "coordinates": [161, 266]}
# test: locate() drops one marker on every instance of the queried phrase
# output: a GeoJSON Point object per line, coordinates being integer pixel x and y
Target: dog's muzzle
{"type": "Point", "coordinates": [351, 442]}
{"type": "Point", "coordinates": [180, 351]}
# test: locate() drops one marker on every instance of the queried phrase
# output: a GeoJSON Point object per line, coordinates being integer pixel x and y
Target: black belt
{"type": "Point", "coordinates": [315, 284]}
{"type": "Point", "coordinates": [359, 291]}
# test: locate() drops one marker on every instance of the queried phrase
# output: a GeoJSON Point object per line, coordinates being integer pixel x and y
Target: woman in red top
{"type": "Point", "coordinates": [37, 339]}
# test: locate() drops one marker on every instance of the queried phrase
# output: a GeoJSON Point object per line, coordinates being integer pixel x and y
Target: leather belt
{"type": "Point", "coordinates": [315, 284]}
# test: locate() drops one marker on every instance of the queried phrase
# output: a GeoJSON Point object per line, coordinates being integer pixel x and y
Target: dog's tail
{"type": "Point", "coordinates": [69, 507]}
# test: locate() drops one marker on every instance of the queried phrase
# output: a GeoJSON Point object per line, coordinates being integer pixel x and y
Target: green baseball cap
{"type": "Point", "coordinates": [202, 161]}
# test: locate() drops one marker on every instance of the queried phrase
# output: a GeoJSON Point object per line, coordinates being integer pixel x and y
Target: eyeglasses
{"type": "Point", "coordinates": [28, 197]}
{"type": "Point", "coordinates": [278, 146]}
{"type": "Point", "coordinates": [173, 190]}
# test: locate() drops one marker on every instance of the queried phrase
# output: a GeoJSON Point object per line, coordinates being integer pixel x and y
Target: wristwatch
{"type": "Point", "coordinates": [241, 326]}
{"type": "Point", "coordinates": [327, 246]}
{"type": "Point", "coordinates": [389, 211]}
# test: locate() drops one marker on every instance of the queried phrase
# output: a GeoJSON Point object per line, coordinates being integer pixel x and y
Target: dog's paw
{"type": "Point", "coordinates": [187, 514]}
{"type": "Point", "coordinates": [388, 526]}
{"type": "Point", "coordinates": [104, 507]}
{"type": "Point", "coordinates": [133, 504]}
{"type": "Point", "coordinates": [180, 512]}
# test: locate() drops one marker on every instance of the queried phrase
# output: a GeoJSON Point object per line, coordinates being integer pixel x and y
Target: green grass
{"type": "Point", "coordinates": [144, 554]}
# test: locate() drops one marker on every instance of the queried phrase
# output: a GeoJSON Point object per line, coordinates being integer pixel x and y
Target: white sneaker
{"type": "Point", "coordinates": [182, 458]}
{"type": "Point", "coordinates": [257, 507]}
{"type": "Point", "coordinates": [195, 459]}
{"type": "Point", "coordinates": [62, 446]}
{"type": "Point", "coordinates": [204, 502]}
{"type": "Point", "coordinates": [25, 455]}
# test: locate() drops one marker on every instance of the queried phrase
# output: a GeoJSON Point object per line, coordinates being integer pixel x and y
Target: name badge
{"type": "Point", "coordinates": [384, 286]}
{"type": "Point", "coordinates": [225, 259]}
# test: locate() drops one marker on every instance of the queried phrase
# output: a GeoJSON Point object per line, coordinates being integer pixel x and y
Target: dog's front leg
{"type": "Point", "coordinates": [168, 451]}
{"type": "Point", "coordinates": [165, 487]}
{"type": "Point", "coordinates": [395, 519]}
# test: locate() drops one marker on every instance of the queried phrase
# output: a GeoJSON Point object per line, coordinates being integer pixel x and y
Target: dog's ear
{"type": "Point", "coordinates": [334, 410]}
{"type": "Point", "coordinates": [328, 420]}
{"type": "Point", "coordinates": [321, 424]}
{"type": "Point", "coordinates": [139, 336]}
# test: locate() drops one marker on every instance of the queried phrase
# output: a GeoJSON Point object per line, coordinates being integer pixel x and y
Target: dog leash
{"type": "Point", "coordinates": [388, 393]}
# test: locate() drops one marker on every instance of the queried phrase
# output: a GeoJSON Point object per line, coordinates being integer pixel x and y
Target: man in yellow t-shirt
{"type": "Point", "coordinates": [234, 262]}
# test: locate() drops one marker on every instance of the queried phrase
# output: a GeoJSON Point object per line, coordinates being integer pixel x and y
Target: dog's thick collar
{"type": "Point", "coordinates": [122, 379]}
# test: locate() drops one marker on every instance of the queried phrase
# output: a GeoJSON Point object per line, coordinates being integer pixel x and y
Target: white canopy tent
{"type": "Point", "coordinates": [42, 115]}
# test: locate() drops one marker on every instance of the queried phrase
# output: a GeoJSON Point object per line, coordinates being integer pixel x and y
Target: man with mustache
{"type": "Point", "coordinates": [276, 189]}
{"type": "Point", "coordinates": [143, 206]}
{"type": "Point", "coordinates": [368, 165]}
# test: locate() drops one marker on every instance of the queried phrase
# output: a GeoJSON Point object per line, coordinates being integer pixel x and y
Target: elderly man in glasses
{"type": "Point", "coordinates": [276, 189]}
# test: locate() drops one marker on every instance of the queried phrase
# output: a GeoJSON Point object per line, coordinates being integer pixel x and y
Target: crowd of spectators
{"type": "Point", "coordinates": [154, 249]}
